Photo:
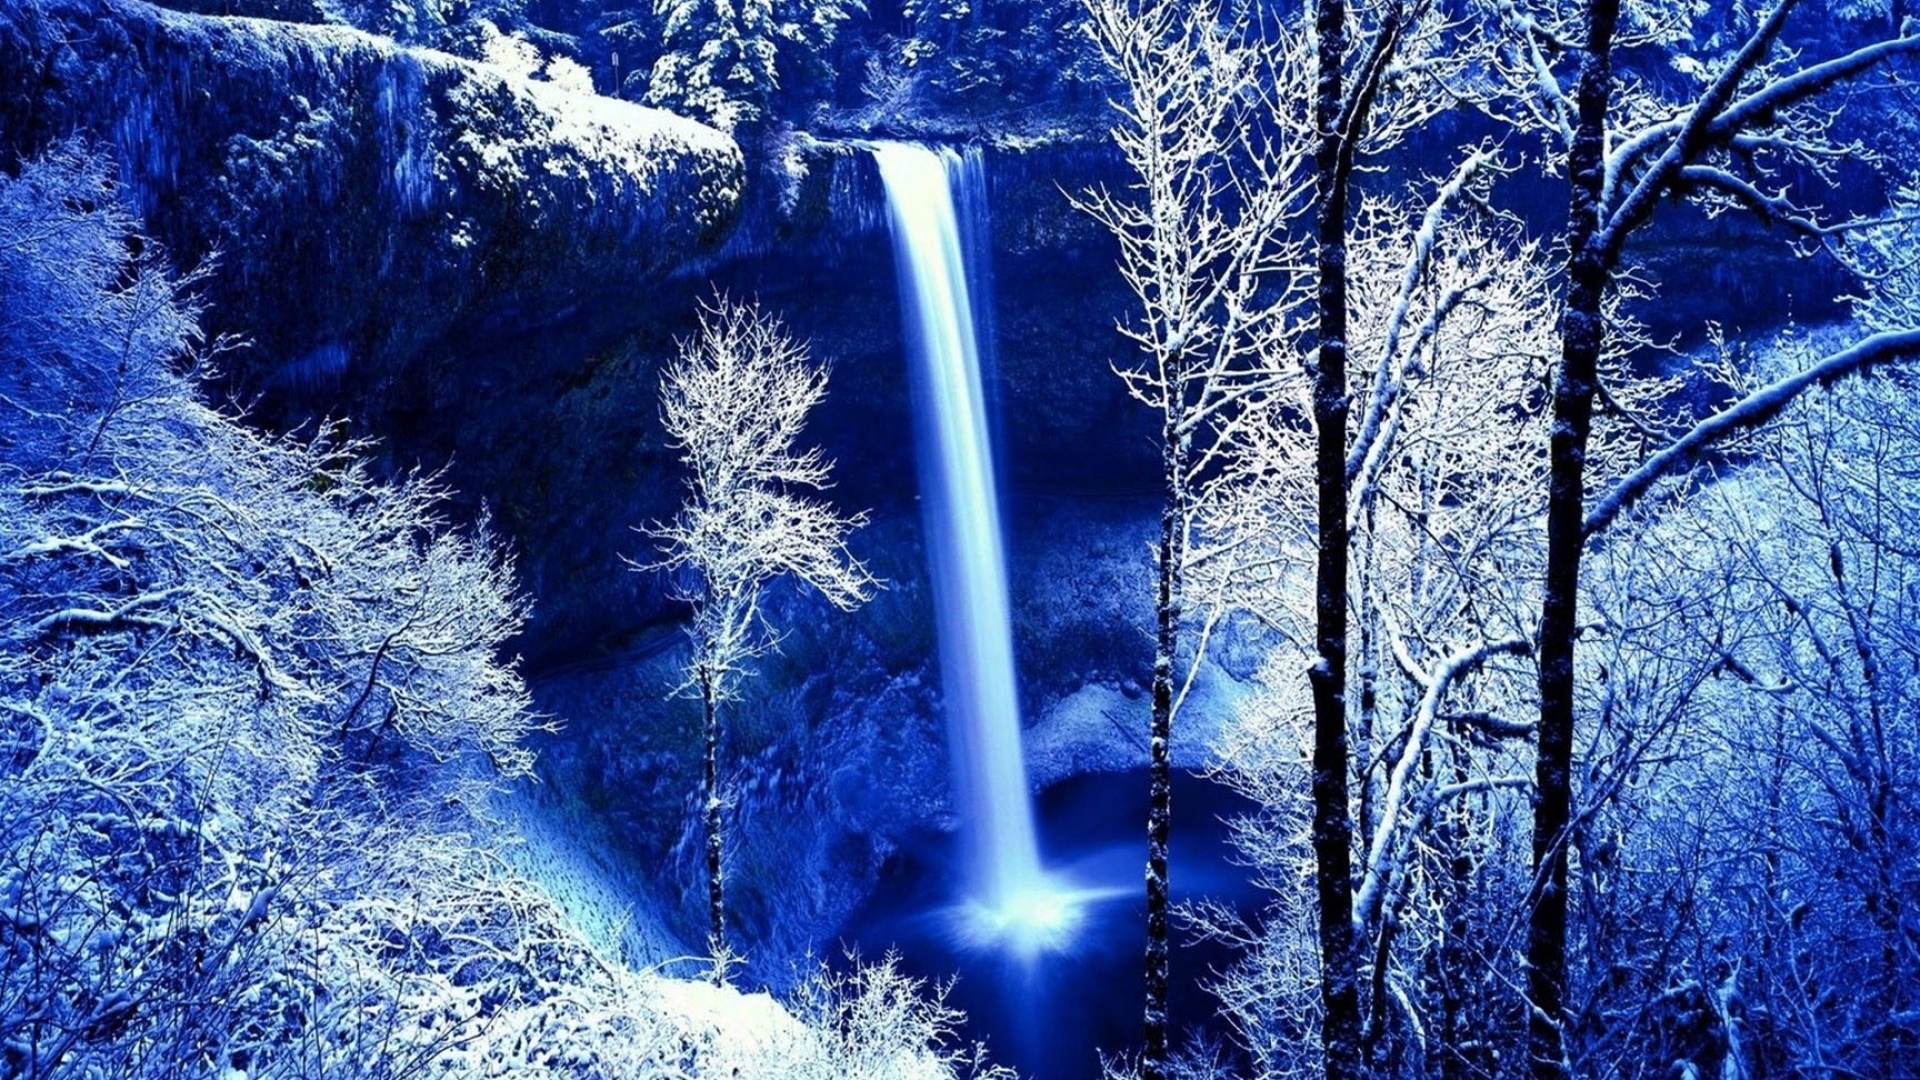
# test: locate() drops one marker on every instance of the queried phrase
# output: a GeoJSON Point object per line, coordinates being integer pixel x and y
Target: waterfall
{"type": "Point", "coordinates": [1009, 896]}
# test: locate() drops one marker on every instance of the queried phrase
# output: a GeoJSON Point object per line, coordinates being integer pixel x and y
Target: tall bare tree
{"type": "Point", "coordinates": [1218, 174]}
{"type": "Point", "coordinates": [1753, 110]}
{"type": "Point", "coordinates": [1451, 317]}
{"type": "Point", "coordinates": [734, 402]}
{"type": "Point", "coordinates": [1365, 98]}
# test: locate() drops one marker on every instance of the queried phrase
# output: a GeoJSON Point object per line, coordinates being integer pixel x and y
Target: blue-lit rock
{"type": "Point", "coordinates": [361, 200]}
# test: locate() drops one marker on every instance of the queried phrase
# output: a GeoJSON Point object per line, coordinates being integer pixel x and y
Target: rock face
{"type": "Point", "coordinates": [360, 199]}
{"type": "Point", "coordinates": [489, 272]}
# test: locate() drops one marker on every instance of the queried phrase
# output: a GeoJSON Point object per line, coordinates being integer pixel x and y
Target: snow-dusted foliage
{"type": "Point", "coordinates": [1886, 256]}
{"type": "Point", "coordinates": [722, 61]}
{"type": "Point", "coordinates": [509, 52]}
{"type": "Point", "coordinates": [252, 712]}
{"type": "Point", "coordinates": [239, 676]}
{"type": "Point", "coordinates": [716, 60]}
{"type": "Point", "coordinates": [1746, 911]}
{"type": "Point", "coordinates": [415, 22]}
{"type": "Point", "coordinates": [735, 403]}
{"type": "Point", "coordinates": [873, 1021]}
{"type": "Point", "coordinates": [443, 188]}
{"type": "Point", "coordinates": [1450, 329]}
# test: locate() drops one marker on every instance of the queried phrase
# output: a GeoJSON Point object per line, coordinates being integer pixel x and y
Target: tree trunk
{"type": "Point", "coordinates": [1365, 734]}
{"type": "Point", "coordinates": [716, 924]}
{"type": "Point", "coordinates": [1467, 1034]}
{"type": "Point", "coordinates": [1153, 1062]}
{"type": "Point", "coordinates": [1332, 820]}
{"type": "Point", "coordinates": [1574, 385]}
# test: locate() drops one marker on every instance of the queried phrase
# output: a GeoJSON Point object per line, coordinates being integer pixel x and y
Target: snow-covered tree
{"type": "Point", "coordinates": [734, 402]}
{"type": "Point", "coordinates": [716, 61]}
{"type": "Point", "coordinates": [1834, 569]}
{"type": "Point", "coordinates": [1739, 893]}
{"type": "Point", "coordinates": [1451, 320]}
{"type": "Point", "coordinates": [1444, 301]}
{"type": "Point", "coordinates": [1204, 249]}
{"type": "Point", "coordinates": [1754, 113]}
{"type": "Point", "coordinates": [235, 672]}
{"type": "Point", "coordinates": [723, 61]}
{"type": "Point", "coordinates": [1784, 580]}
{"type": "Point", "coordinates": [1413, 284]}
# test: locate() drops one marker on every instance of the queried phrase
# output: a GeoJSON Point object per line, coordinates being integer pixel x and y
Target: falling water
{"type": "Point", "coordinates": [1010, 898]}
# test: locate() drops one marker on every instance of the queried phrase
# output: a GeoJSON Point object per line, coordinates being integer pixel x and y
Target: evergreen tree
{"type": "Point", "coordinates": [725, 61]}
{"type": "Point", "coordinates": [717, 60]}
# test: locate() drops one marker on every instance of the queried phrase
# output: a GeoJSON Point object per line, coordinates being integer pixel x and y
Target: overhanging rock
{"type": "Point", "coordinates": [360, 199]}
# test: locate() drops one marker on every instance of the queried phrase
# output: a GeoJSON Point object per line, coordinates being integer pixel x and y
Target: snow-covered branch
{"type": "Point", "coordinates": [1388, 837]}
{"type": "Point", "coordinates": [1749, 412]}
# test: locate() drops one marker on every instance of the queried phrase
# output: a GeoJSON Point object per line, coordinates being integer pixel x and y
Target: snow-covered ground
{"type": "Point", "coordinates": [571, 856]}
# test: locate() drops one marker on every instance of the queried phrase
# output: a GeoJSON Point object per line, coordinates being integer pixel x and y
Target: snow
{"type": "Point", "coordinates": [525, 125]}
{"type": "Point", "coordinates": [753, 1026]}
{"type": "Point", "coordinates": [570, 857]}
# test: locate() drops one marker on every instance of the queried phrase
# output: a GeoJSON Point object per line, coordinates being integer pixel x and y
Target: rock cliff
{"type": "Point", "coordinates": [359, 199]}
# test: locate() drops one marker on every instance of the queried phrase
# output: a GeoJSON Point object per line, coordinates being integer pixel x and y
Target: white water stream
{"type": "Point", "coordinates": [1010, 898]}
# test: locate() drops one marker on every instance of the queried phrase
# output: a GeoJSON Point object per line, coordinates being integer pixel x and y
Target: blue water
{"type": "Point", "coordinates": [1050, 1014]}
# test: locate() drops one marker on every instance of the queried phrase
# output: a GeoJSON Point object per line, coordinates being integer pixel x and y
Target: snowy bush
{"type": "Point", "coordinates": [874, 1022]}
{"type": "Point", "coordinates": [230, 667]}
{"type": "Point", "coordinates": [511, 53]}
{"type": "Point", "coordinates": [569, 74]}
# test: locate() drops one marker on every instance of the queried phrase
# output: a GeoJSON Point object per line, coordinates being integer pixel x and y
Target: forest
{"type": "Point", "coordinates": [1066, 539]}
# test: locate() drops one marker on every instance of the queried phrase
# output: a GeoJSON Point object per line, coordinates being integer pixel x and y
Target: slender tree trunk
{"type": "Point", "coordinates": [716, 924]}
{"type": "Point", "coordinates": [1375, 1047]}
{"type": "Point", "coordinates": [1466, 1034]}
{"type": "Point", "coordinates": [1332, 820]}
{"type": "Point", "coordinates": [1366, 733]}
{"type": "Point", "coordinates": [1153, 1063]}
{"type": "Point", "coordinates": [1574, 385]}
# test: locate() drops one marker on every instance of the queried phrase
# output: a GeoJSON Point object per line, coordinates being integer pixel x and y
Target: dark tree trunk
{"type": "Point", "coordinates": [1573, 392]}
{"type": "Point", "coordinates": [1468, 1034]}
{"type": "Point", "coordinates": [1332, 820]}
{"type": "Point", "coordinates": [716, 924]}
{"type": "Point", "coordinates": [1153, 1063]}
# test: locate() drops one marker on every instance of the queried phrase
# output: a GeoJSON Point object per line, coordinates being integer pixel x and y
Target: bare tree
{"type": "Point", "coordinates": [1451, 313]}
{"type": "Point", "coordinates": [734, 403]}
{"type": "Point", "coordinates": [1753, 109]}
{"type": "Point", "coordinates": [1381, 69]}
{"type": "Point", "coordinates": [1208, 129]}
